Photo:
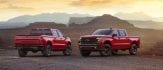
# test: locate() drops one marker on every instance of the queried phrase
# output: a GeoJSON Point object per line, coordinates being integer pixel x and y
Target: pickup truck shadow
{"type": "Point", "coordinates": [117, 55]}
{"type": "Point", "coordinates": [40, 55]}
{"type": "Point", "coordinates": [44, 56]}
{"type": "Point", "coordinates": [78, 55]}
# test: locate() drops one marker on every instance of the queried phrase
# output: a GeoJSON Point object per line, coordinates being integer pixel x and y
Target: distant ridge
{"type": "Point", "coordinates": [80, 20]}
{"type": "Point", "coordinates": [25, 20]}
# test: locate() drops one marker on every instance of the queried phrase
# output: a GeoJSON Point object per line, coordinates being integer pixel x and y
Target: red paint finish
{"type": "Point", "coordinates": [41, 37]}
{"type": "Point", "coordinates": [117, 38]}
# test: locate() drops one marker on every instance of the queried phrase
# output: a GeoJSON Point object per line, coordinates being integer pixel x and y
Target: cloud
{"type": "Point", "coordinates": [3, 1]}
{"type": "Point", "coordinates": [101, 3]}
{"type": "Point", "coordinates": [10, 6]}
{"type": "Point", "coordinates": [34, 4]}
{"type": "Point", "coordinates": [93, 7]}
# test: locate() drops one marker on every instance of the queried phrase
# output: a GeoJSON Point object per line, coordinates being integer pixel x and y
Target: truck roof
{"type": "Point", "coordinates": [113, 29]}
{"type": "Point", "coordinates": [44, 28]}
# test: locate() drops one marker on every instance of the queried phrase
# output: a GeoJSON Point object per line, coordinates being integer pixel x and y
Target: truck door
{"type": "Point", "coordinates": [116, 41]}
{"type": "Point", "coordinates": [61, 39]}
{"type": "Point", "coordinates": [123, 39]}
{"type": "Point", "coordinates": [56, 40]}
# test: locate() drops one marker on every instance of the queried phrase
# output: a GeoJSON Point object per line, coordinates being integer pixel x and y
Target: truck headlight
{"type": "Point", "coordinates": [79, 40]}
{"type": "Point", "coordinates": [98, 39]}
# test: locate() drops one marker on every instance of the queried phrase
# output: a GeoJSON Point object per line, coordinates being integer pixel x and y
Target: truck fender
{"type": "Point", "coordinates": [68, 42]}
{"type": "Point", "coordinates": [48, 42]}
{"type": "Point", "coordinates": [106, 41]}
{"type": "Point", "coordinates": [68, 39]}
{"type": "Point", "coordinates": [135, 42]}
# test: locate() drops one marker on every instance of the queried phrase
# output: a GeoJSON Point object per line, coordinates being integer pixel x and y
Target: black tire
{"type": "Point", "coordinates": [47, 50]}
{"type": "Point", "coordinates": [22, 53]}
{"type": "Point", "coordinates": [34, 51]}
{"type": "Point", "coordinates": [107, 50]}
{"type": "Point", "coordinates": [133, 49]}
{"type": "Point", "coordinates": [68, 50]}
{"type": "Point", "coordinates": [115, 52]}
{"type": "Point", "coordinates": [85, 53]}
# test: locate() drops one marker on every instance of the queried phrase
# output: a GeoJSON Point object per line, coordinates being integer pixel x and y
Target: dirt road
{"type": "Point", "coordinates": [9, 60]}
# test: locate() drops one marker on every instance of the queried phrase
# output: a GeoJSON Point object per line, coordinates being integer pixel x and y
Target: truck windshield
{"type": "Point", "coordinates": [41, 32]}
{"type": "Point", "coordinates": [102, 32]}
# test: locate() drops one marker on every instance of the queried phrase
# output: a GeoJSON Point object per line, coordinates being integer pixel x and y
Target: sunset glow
{"type": "Point", "coordinates": [13, 8]}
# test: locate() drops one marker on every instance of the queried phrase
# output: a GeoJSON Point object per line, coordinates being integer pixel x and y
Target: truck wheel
{"type": "Point", "coordinates": [107, 50]}
{"type": "Point", "coordinates": [47, 51]}
{"type": "Point", "coordinates": [22, 53]}
{"type": "Point", "coordinates": [85, 53]}
{"type": "Point", "coordinates": [133, 49]}
{"type": "Point", "coordinates": [68, 50]}
{"type": "Point", "coordinates": [115, 52]}
{"type": "Point", "coordinates": [34, 51]}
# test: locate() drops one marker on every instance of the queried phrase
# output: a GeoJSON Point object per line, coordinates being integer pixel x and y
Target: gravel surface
{"type": "Point", "coordinates": [9, 60]}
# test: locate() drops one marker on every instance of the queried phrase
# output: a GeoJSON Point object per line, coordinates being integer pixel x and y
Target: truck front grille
{"type": "Point", "coordinates": [89, 41]}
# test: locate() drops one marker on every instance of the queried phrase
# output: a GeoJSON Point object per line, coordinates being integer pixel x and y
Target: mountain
{"type": "Point", "coordinates": [133, 16]}
{"type": "Point", "coordinates": [138, 16]}
{"type": "Point", "coordinates": [47, 17]}
{"type": "Point", "coordinates": [106, 18]}
{"type": "Point", "coordinates": [109, 21]}
{"type": "Point", "coordinates": [138, 19]}
{"type": "Point", "coordinates": [7, 25]}
{"type": "Point", "coordinates": [25, 20]}
{"type": "Point", "coordinates": [80, 20]}
{"type": "Point", "coordinates": [142, 20]}
{"type": "Point", "coordinates": [147, 24]}
{"type": "Point", "coordinates": [158, 19]}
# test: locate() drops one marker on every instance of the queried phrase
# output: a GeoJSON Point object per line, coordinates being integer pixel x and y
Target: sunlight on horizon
{"type": "Point", "coordinates": [14, 8]}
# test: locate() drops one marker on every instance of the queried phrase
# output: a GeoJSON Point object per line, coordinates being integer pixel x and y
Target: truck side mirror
{"type": "Point", "coordinates": [67, 37]}
{"type": "Point", "coordinates": [114, 35]}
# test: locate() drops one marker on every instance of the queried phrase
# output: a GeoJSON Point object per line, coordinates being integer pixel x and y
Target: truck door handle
{"type": "Point", "coordinates": [61, 38]}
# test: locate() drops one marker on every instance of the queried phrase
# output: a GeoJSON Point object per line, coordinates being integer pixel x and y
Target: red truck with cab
{"type": "Point", "coordinates": [108, 41]}
{"type": "Point", "coordinates": [45, 40]}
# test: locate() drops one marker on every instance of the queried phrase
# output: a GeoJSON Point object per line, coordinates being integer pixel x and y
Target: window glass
{"type": "Point", "coordinates": [55, 33]}
{"type": "Point", "coordinates": [122, 33]}
{"type": "Point", "coordinates": [59, 33]}
{"type": "Point", "coordinates": [115, 32]}
{"type": "Point", "coordinates": [102, 32]}
{"type": "Point", "coordinates": [41, 32]}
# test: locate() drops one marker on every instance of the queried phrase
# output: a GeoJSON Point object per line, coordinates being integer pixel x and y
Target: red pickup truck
{"type": "Point", "coordinates": [108, 42]}
{"type": "Point", "coordinates": [43, 39]}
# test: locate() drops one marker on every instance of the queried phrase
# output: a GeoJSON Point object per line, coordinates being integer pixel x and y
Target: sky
{"type": "Point", "coordinates": [14, 8]}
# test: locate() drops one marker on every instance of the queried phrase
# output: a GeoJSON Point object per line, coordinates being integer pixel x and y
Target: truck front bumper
{"type": "Point", "coordinates": [90, 47]}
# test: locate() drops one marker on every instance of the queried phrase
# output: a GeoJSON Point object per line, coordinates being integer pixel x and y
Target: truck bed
{"type": "Point", "coordinates": [28, 40]}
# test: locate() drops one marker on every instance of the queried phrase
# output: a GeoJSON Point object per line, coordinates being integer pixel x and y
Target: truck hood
{"type": "Point", "coordinates": [95, 36]}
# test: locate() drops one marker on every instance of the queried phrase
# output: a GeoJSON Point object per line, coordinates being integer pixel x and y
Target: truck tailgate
{"type": "Point", "coordinates": [28, 40]}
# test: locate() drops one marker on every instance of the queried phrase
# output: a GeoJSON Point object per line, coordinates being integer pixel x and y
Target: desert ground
{"type": "Point", "coordinates": [9, 60]}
